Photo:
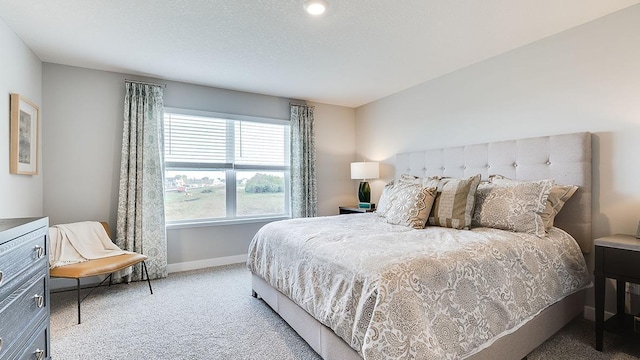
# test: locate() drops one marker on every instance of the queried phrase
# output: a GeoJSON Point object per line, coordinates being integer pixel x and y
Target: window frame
{"type": "Point", "coordinates": [230, 172]}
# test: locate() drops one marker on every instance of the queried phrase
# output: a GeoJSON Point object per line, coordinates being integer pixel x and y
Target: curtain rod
{"type": "Point", "coordinates": [145, 83]}
{"type": "Point", "coordinates": [311, 106]}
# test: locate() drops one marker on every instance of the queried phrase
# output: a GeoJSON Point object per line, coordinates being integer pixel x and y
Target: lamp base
{"type": "Point", "coordinates": [364, 192]}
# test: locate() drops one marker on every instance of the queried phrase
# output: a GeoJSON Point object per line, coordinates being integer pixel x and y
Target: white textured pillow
{"type": "Point", "coordinates": [453, 207]}
{"type": "Point", "coordinates": [390, 190]}
{"type": "Point", "coordinates": [558, 196]}
{"type": "Point", "coordinates": [514, 207]}
{"type": "Point", "coordinates": [385, 199]}
{"type": "Point", "coordinates": [410, 205]}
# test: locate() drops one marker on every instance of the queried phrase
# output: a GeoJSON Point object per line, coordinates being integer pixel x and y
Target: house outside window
{"type": "Point", "coordinates": [224, 167]}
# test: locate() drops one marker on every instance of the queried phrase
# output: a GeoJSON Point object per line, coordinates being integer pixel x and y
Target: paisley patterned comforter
{"type": "Point", "coordinates": [394, 292]}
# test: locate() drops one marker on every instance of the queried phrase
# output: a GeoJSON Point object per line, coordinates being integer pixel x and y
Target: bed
{"type": "Point", "coordinates": [358, 287]}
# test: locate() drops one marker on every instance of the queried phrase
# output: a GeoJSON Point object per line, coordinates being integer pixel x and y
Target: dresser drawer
{"type": "Point", "coordinates": [621, 262]}
{"type": "Point", "coordinates": [21, 311]}
{"type": "Point", "coordinates": [37, 347]}
{"type": "Point", "coordinates": [21, 254]}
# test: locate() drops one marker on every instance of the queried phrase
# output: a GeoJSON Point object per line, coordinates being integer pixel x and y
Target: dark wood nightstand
{"type": "Point", "coordinates": [355, 210]}
{"type": "Point", "coordinates": [617, 257]}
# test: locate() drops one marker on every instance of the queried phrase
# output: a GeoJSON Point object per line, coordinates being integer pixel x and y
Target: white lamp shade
{"type": "Point", "coordinates": [365, 170]}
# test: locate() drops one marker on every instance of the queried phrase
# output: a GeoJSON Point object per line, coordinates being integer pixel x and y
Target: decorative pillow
{"type": "Point", "coordinates": [410, 205]}
{"type": "Point", "coordinates": [514, 207]}
{"type": "Point", "coordinates": [409, 179]}
{"type": "Point", "coordinates": [385, 199]}
{"type": "Point", "coordinates": [389, 191]}
{"type": "Point", "coordinates": [558, 196]}
{"type": "Point", "coordinates": [453, 206]}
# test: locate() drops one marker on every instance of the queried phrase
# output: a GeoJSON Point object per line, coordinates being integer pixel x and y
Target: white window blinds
{"type": "Point", "coordinates": [207, 142]}
{"type": "Point", "coordinates": [260, 144]}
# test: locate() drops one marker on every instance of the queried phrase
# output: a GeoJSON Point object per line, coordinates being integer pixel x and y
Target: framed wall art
{"type": "Point", "coordinates": [25, 123]}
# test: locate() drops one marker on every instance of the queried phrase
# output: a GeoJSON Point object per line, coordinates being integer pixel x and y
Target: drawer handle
{"type": "Point", "coordinates": [39, 300]}
{"type": "Point", "coordinates": [39, 251]}
{"type": "Point", "coordinates": [39, 354]}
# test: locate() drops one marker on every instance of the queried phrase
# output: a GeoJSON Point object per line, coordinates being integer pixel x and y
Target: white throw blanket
{"type": "Point", "coordinates": [78, 242]}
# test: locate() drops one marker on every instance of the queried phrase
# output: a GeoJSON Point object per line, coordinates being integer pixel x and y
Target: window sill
{"type": "Point", "coordinates": [207, 223]}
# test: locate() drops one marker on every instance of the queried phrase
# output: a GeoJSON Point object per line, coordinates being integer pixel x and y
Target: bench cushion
{"type": "Point", "coordinates": [95, 267]}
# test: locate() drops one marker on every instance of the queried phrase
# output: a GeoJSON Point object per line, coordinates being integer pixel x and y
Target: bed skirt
{"type": "Point", "coordinates": [512, 346]}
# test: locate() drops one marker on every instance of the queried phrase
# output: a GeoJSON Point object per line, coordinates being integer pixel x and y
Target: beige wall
{"type": "Point", "coordinates": [584, 79]}
{"type": "Point", "coordinates": [83, 138]}
{"type": "Point", "coordinates": [335, 145]}
{"type": "Point", "coordinates": [21, 73]}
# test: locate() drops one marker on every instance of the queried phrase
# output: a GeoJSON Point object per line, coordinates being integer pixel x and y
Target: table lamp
{"type": "Point", "coordinates": [365, 170]}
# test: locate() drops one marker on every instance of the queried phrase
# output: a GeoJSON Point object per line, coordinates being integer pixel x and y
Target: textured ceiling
{"type": "Point", "coordinates": [358, 52]}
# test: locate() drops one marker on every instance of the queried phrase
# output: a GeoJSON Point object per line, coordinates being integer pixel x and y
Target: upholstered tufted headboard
{"type": "Point", "coordinates": [565, 158]}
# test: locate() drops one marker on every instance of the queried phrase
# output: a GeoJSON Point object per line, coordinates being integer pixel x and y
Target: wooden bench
{"type": "Point", "coordinates": [97, 267]}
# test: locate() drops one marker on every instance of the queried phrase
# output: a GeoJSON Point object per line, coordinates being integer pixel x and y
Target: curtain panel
{"type": "Point", "coordinates": [304, 190]}
{"type": "Point", "coordinates": [141, 223]}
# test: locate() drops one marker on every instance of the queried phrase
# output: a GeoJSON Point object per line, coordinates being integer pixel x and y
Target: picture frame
{"type": "Point", "coordinates": [24, 136]}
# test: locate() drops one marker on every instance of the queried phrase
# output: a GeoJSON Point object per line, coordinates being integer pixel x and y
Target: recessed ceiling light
{"type": "Point", "coordinates": [315, 7]}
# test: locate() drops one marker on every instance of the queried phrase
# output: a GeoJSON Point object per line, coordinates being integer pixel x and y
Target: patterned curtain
{"type": "Point", "coordinates": [304, 190]}
{"type": "Point", "coordinates": [140, 224]}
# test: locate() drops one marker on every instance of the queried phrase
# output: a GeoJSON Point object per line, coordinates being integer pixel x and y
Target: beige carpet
{"type": "Point", "coordinates": [210, 314]}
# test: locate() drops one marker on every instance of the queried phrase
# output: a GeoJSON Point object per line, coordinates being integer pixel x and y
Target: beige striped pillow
{"type": "Point", "coordinates": [453, 206]}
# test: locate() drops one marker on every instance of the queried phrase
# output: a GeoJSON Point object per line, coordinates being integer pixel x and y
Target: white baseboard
{"type": "Point", "coordinates": [201, 264]}
{"type": "Point", "coordinates": [590, 313]}
{"type": "Point", "coordinates": [65, 284]}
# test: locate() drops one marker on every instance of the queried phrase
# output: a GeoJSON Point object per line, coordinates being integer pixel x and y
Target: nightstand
{"type": "Point", "coordinates": [617, 257]}
{"type": "Point", "coordinates": [355, 210]}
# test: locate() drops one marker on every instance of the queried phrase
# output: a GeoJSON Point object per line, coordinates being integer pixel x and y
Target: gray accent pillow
{"type": "Point", "coordinates": [558, 196]}
{"type": "Point", "coordinates": [514, 207]}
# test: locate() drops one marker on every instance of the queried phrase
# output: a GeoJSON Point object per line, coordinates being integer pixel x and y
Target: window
{"type": "Point", "coordinates": [224, 167]}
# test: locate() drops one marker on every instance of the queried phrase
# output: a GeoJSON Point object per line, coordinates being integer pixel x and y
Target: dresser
{"type": "Point", "coordinates": [24, 289]}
